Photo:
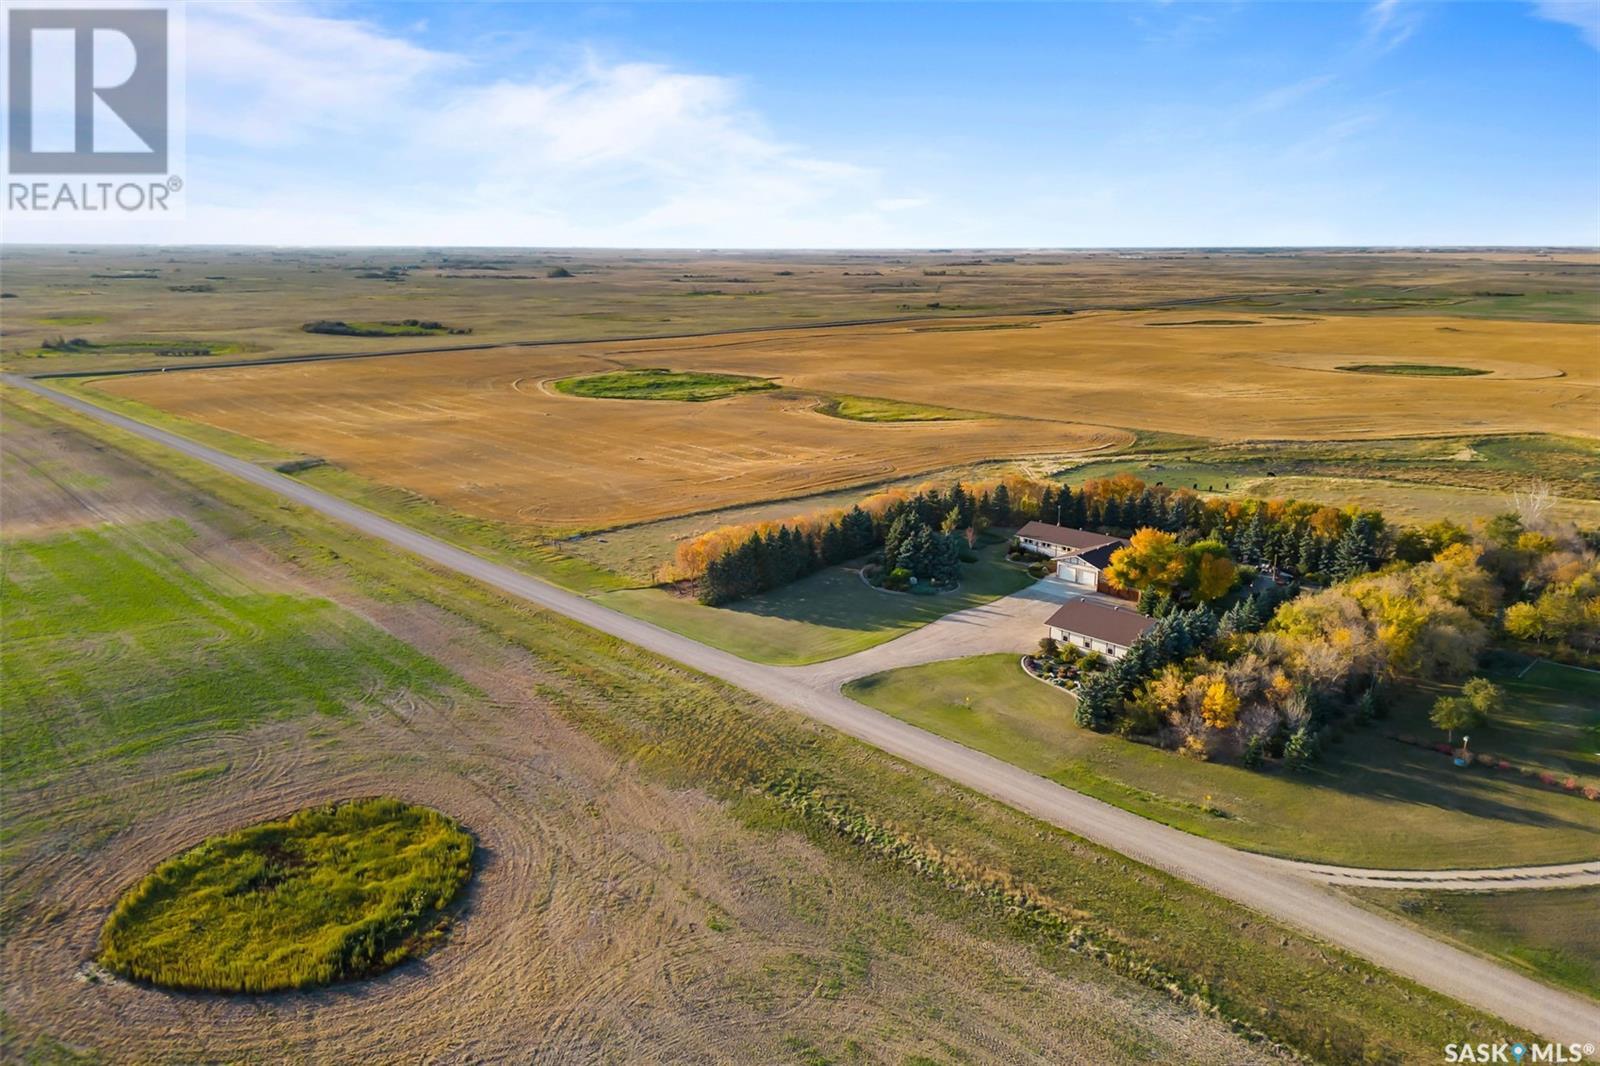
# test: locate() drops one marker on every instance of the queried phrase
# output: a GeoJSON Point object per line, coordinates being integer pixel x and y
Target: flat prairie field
{"type": "Point", "coordinates": [484, 433]}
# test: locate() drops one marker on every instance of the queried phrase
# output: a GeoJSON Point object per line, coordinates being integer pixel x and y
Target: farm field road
{"type": "Point", "coordinates": [1272, 887]}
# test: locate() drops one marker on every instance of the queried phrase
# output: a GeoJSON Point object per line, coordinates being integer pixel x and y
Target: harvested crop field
{"type": "Point", "coordinates": [484, 433]}
{"type": "Point", "coordinates": [611, 916]}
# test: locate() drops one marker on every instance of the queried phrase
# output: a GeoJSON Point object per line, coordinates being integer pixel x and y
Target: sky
{"type": "Point", "coordinates": [900, 125]}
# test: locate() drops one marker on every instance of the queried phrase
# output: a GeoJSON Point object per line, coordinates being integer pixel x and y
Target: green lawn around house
{"type": "Point", "coordinates": [1371, 801]}
{"type": "Point", "coordinates": [824, 616]}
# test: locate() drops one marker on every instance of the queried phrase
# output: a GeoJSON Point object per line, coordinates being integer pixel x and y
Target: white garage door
{"type": "Point", "coordinates": [1079, 575]}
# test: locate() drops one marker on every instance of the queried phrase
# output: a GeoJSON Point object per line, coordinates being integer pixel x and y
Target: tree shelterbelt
{"type": "Point", "coordinates": [1312, 540]}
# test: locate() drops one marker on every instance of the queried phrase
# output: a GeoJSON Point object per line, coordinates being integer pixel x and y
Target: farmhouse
{"type": "Point", "coordinates": [1097, 627]}
{"type": "Point", "coordinates": [1080, 556]}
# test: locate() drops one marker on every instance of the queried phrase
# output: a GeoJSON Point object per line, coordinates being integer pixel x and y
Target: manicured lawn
{"type": "Point", "coordinates": [871, 409]}
{"type": "Point", "coordinates": [328, 894]}
{"type": "Point", "coordinates": [824, 616]}
{"type": "Point", "coordinates": [1370, 802]}
{"type": "Point", "coordinates": [1552, 933]}
{"type": "Point", "coordinates": [121, 640]}
{"type": "Point", "coordinates": [658, 384]}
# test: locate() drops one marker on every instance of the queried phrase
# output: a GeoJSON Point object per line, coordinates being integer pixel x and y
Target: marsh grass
{"type": "Point", "coordinates": [661, 384]}
{"type": "Point", "coordinates": [874, 409]}
{"type": "Point", "coordinates": [1414, 370]}
{"type": "Point", "coordinates": [327, 894]}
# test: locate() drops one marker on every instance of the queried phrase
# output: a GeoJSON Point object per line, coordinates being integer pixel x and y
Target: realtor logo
{"type": "Point", "coordinates": [88, 91]}
{"type": "Point", "coordinates": [94, 112]}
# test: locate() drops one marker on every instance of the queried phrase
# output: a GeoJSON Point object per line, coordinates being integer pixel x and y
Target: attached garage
{"type": "Point", "coordinates": [1083, 568]}
{"type": "Point", "coordinates": [1083, 576]}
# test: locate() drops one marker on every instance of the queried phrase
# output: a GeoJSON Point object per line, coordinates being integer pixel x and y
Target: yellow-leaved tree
{"type": "Point", "coordinates": [1152, 560]}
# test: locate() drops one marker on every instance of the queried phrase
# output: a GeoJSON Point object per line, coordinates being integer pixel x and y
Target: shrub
{"type": "Point", "coordinates": [1570, 784]}
{"type": "Point", "coordinates": [898, 579]}
{"type": "Point", "coordinates": [1591, 792]}
{"type": "Point", "coordinates": [1502, 765]}
{"type": "Point", "coordinates": [1301, 750]}
{"type": "Point", "coordinates": [1255, 752]}
{"type": "Point", "coordinates": [1485, 760]}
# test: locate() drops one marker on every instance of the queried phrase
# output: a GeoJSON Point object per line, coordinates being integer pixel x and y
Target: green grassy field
{"type": "Point", "coordinates": [823, 616]}
{"type": "Point", "coordinates": [1411, 480]}
{"type": "Point", "coordinates": [1550, 934]}
{"type": "Point", "coordinates": [124, 639]}
{"type": "Point", "coordinates": [870, 409]}
{"type": "Point", "coordinates": [327, 894]}
{"type": "Point", "coordinates": [938, 846]}
{"type": "Point", "coordinates": [1370, 802]}
{"type": "Point", "coordinates": [661, 384]}
{"type": "Point", "coordinates": [164, 347]}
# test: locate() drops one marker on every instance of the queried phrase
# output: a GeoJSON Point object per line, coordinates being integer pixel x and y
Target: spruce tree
{"type": "Point", "coordinates": [1001, 516]}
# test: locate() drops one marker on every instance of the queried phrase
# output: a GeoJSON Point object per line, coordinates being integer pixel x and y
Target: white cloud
{"type": "Point", "coordinates": [1584, 14]}
{"type": "Point", "coordinates": [1390, 23]}
{"type": "Point", "coordinates": [308, 128]}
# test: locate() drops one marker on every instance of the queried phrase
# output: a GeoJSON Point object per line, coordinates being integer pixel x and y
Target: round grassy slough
{"type": "Point", "coordinates": [685, 386]}
{"type": "Point", "coordinates": [1414, 370]}
{"type": "Point", "coordinates": [328, 894]}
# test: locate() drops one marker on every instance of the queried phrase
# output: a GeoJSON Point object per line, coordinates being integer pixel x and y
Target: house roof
{"type": "Point", "coordinates": [1100, 557]}
{"type": "Point", "coordinates": [1065, 536]}
{"type": "Point", "coordinates": [1115, 625]}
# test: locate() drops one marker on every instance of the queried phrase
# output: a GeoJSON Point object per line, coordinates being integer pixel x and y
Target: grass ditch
{"type": "Point", "coordinates": [781, 771]}
{"type": "Point", "coordinates": [1548, 933]}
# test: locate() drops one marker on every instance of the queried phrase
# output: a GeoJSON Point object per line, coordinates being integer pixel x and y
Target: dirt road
{"type": "Point", "coordinates": [1265, 885]}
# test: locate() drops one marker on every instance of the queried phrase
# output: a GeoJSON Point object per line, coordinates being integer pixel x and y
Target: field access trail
{"type": "Point", "coordinates": [1291, 893]}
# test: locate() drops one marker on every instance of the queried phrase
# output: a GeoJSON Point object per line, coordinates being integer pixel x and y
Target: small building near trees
{"type": "Point", "coordinates": [1095, 626]}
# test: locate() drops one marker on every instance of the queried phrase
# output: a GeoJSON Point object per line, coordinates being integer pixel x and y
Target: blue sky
{"type": "Point", "coordinates": [894, 125]}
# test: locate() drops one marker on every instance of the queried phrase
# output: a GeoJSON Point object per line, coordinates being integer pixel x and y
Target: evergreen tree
{"type": "Point", "coordinates": [1356, 552]}
{"type": "Point", "coordinates": [946, 563]}
{"type": "Point", "coordinates": [1048, 512]}
{"type": "Point", "coordinates": [859, 533]}
{"type": "Point", "coordinates": [1098, 702]}
{"type": "Point", "coordinates": [1242, 617]}
{"type": "Point", "coordinates": [1001, 515]}
{"type": "Point", "coordinates": [1071, 507]}
{"type": "Point", "coordinates": [1309, 560]}
{"type": "Point", "coordinates": [831, 546]}
{"type": "Point", "coordinates": [1252, 539]}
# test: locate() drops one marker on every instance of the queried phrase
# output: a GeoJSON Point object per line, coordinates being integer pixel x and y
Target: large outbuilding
{"type": "Point", "coordinates": [1095, 626]}
{"type": "Point", "coordinates": [1081, 557]}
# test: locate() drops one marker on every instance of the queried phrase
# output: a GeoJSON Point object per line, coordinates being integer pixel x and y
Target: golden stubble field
{"type": "Point", "coordinates": [482, 433]}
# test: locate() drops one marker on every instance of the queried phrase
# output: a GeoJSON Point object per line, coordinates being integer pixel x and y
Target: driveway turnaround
{"type": "Point", "coordinates": [1272, 887]}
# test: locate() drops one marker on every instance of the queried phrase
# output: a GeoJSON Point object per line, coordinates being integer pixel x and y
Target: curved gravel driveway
{"type": "Point", "coordinates": [1282, 890]}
